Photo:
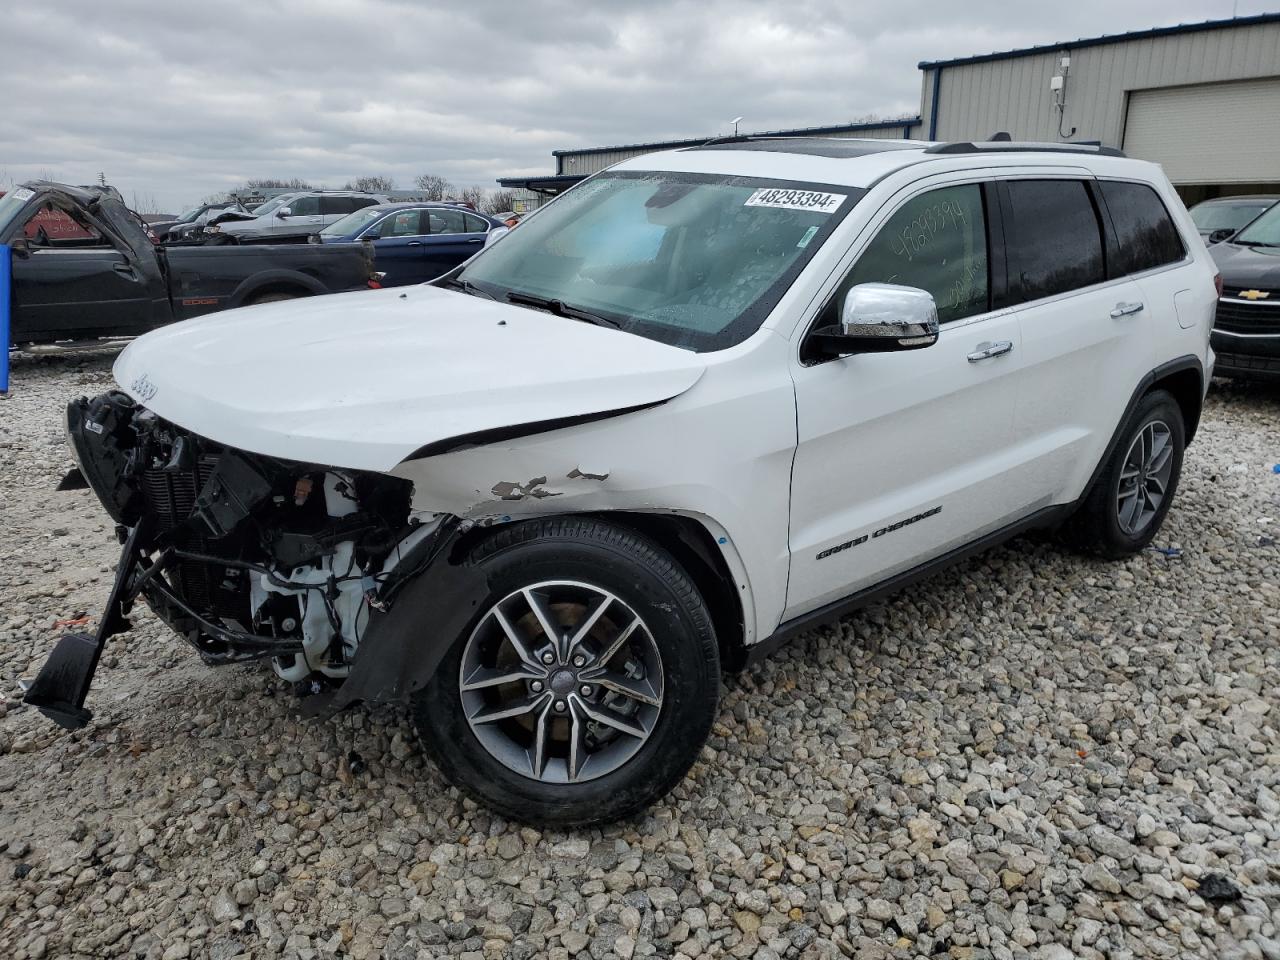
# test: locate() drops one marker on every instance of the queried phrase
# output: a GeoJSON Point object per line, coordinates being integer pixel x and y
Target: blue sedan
{"type": "Point", "coordinates": [414, 242]}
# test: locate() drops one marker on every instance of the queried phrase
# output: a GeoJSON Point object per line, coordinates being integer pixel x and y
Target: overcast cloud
{"type": "Point", "coordinates": [174, 101]}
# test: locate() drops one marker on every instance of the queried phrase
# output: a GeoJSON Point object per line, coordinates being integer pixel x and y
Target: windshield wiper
{"type": "Point", "coordinates": [1256, 243]}
{"type": "Point", "coordinates": [466, 286]}
{"type": "Point", "coordinates": [560, 308]}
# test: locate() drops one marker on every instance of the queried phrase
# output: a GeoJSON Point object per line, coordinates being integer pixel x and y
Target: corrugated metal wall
{"type": "Point", "coordinates": [977, 99]}
{"type": "Point", "coordinates": [588, 162]}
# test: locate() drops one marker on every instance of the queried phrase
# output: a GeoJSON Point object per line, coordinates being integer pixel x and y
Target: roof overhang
{"type": "Point", "coordinates": [547, 186]}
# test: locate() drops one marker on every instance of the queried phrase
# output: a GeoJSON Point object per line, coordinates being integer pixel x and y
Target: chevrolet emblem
{"type": "Point", "coordinates": [1255, 294]}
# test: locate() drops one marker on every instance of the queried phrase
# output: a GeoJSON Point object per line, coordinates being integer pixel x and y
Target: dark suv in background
{"type": "Point", "coordinates": [1220, 218]}
{"type": "Point", "coordinates": [1246, 331]}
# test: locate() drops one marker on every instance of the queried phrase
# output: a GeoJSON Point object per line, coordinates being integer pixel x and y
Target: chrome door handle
{"type": "Point", "coordinates": [1125, 310]}
{"type": "Point", "coordinates": [987, 349]}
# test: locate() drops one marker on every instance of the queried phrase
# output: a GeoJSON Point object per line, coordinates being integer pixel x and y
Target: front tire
{"type": "Point", "coordinates": [586, 685]}
{"type": "Point", "coordinates": [1128, 503]}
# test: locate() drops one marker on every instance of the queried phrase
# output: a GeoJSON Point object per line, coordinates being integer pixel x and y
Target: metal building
{"type": "Point", "coordinates": [1201, 99]}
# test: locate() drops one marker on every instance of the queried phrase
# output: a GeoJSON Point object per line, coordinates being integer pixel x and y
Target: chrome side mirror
{"type": "Point", "coordinates": [283, 212]}
{"type": "Point", "coordinates": [879, 318]}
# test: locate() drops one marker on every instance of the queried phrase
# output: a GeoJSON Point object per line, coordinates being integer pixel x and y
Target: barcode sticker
{"type": "Point", "coordinates": [796, 200]}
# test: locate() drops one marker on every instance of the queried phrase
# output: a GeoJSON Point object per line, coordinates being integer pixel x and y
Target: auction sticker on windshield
{"type": "Point", "coordinates": [796, 200]}
{"type": "Point", "coordinates": [23, 194]}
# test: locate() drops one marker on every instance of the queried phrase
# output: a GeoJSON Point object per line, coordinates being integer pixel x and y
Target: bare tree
{"type": "Point", "coordinates": [374, 184]}
{"type": "Point", "coordinates": [500, 201]}
{"type": "Point", "coordinates": [271, 183]}
{"type": "Point", "coordinates": [474, 196]}
{"type": "Point", "coordinates": [143, 203]}
{"type": "Point", "coordinates": [433, 187]}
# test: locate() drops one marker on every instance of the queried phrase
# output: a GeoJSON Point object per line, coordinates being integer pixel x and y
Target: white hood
{"type": "Point", "coordinates": [364, 379]}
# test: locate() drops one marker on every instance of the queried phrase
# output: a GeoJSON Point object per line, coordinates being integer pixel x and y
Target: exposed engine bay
{"type": "Point", "coordinates": [247, 556]}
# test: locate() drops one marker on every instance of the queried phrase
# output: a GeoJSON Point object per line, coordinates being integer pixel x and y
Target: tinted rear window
{"type": "Point", "coordinates": [1144, 230]}
{"type": "Point", "coordinates": [1056, 239]}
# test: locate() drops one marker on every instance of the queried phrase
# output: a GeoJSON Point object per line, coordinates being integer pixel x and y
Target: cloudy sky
{"type": "Point", "coordinates": [174, 101]}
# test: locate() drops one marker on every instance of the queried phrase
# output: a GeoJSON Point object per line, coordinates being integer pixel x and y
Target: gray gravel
{"type": "Point", "coordinates": [1032, 756]}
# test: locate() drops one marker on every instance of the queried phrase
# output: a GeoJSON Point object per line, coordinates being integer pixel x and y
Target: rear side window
{"type": "Point", "coordinates": [332, 205]}
{"type": "Point", "coordinates": [1145, 232]}
{"type": "Point", "coordinates": [936, 241]}
{"type": "Point", "coordinates": [304, 207]}
{"type": "Point", "coordinates": [359, 203]}
{"type": "Point", "coordinates": [447, 221]}
{"type": "Point", "coordinates": [476, 225]}
{"type": "Point", "coordinates": [1055, 240]}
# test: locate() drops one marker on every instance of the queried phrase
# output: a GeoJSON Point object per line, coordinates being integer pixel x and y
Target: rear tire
{"type": "Point", "coordinates": [557, 732]}
{"type": "Point", "coordinates": [1128, 503]}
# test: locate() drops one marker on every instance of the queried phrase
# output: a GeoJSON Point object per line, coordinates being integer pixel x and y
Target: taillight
{"type": "Point", "coordinates": [1217, 283]}
{"type": "Point", "coordinates": [374, 284]}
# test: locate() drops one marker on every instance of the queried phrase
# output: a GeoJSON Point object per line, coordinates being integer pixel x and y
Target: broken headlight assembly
{"type": "Point", "coordinates": [245, 556]}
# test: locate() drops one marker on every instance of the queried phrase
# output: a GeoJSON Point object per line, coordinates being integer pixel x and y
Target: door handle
{"type": "Point", "coordinates": [124, 270]}
{"type": "Point", "coordinates": [1125, 310]}
{"type": "Point", "coordinates": [414, 243]}
{"type": "Point", "coordinates": [988, 349]}
{"type": "Point", "coordinates": [476, 240]}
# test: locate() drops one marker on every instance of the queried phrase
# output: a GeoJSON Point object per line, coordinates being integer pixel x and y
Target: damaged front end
{"type": "Point", "coordinates": [249, 557]}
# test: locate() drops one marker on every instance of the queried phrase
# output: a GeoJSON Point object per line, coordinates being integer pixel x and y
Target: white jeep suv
{"type": "Point", "coordinates": [703, 401]}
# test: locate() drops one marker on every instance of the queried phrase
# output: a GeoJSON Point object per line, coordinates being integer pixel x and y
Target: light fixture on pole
{"type": "Point", "coordinates": [735, 121]}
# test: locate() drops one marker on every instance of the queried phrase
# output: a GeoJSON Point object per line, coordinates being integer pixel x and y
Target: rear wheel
{"type": "Point", "coordinates": [1128, 504]}
{"type": "Point", "coordinates": [587, 684]}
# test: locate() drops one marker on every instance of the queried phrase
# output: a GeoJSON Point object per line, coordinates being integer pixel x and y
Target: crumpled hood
{"type": "Point", "coordinates": [364, 379]}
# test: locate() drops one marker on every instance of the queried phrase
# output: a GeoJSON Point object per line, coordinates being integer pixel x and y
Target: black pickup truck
{"type": "Point", "coordinates": [83, 267]}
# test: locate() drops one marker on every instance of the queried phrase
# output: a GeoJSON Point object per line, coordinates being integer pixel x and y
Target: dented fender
{"type": "Point", "coordinates": [714, 454]}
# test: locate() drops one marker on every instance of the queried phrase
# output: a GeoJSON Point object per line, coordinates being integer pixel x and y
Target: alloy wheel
{"type": "Point", "coordinates": [1144, 477]}
{"type": "Point", "coordinates": [561, 682]}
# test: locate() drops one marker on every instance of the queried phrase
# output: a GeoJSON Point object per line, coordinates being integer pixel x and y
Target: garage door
{"type": "Point", "coordinates": [1211, 133]}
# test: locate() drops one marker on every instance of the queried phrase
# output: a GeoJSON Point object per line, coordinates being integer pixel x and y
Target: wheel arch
{"type": "Point", "coordinates": [278, 281]}
{"type": "Point", "coordinates": [705, 552]}
{"type": "Point", "coordinates": [1184, 380]}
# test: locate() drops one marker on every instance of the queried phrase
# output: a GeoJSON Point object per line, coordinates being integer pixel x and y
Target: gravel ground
{"type": "Point", "coordinates": [1033, 755]}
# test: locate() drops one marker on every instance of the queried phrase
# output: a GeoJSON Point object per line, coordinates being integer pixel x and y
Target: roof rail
{"type": "Point", "coordinates": [1020, 146]}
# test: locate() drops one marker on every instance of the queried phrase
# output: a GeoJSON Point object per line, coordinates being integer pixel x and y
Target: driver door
{"type": "Point", "coordinates": [905, 456]}
{"type": "Point", "coordinates": [73, 282]}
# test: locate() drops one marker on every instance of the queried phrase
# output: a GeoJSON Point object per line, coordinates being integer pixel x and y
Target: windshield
{"type": "Point", "coordinates": [353, 222]}
{"type": "Point", "coordinates": [1209, 217]}
{"type": "Point", "coordinates": [1265, 231]}
{"type": "Point", "coordinates": [693, 260]}
{"type": "Point", "coordinates": [271, 205]}
{"type": "Point", "coordinates": [10, 205]}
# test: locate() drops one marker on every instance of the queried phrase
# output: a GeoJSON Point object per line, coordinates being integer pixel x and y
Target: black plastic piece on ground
{"type": "Point", "coordinates": [74, 480]}
{"type": "Point", "coordinates": [1218, 889]}
{"type": "Point", "coordinates": [60, 688]}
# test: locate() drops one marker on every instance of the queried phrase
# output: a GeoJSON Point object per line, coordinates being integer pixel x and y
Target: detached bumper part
{"type": "Point", "coordinates": [60, 688]}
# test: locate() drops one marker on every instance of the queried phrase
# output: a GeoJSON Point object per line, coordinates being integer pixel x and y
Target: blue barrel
{"type": "Point", "coordinates": [5, 298]}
